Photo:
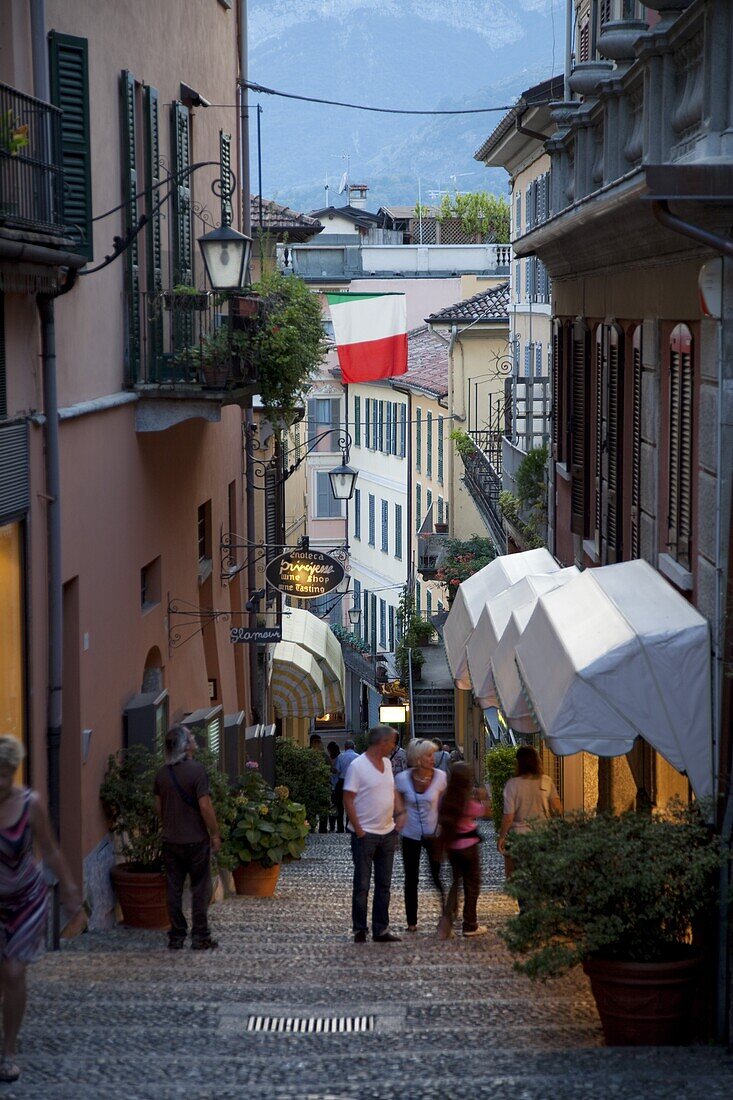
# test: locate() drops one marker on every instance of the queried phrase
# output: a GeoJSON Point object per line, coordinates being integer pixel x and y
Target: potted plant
{"type": "Point", "coordinates": [185, 298]}
{"type": "Point", "coordinates": [619, 895]}
{"type": "Point", "coordinates": [13, 140]}
{"type": "Point", "coordinates": [223, 357]}
{"type": "Point", "coordinates": [461, 559]}
{"type": "Point", "coordinates": [266, 829]}
{"type": "Point", "coordinates": [127, 798]}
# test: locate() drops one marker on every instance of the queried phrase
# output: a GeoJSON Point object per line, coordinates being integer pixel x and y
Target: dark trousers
{"type": "Point", "coordinates": [372, 849]}
{"type": "Point", "coordinates": [337, 801]}
{"type": "Point", "coordinates": [466, 869]}
{"type": "Point", "coordinates": [411, 852]}
{"type": "Point", "coordinates": [193, 860]}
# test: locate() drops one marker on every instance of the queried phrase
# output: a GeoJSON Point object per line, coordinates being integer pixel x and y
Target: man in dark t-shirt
{"type": "Point", "coordinates": [190, 834]}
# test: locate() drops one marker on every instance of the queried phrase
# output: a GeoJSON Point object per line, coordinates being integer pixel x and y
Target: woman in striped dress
{"type": "Point", "coordinates": [23, 827]}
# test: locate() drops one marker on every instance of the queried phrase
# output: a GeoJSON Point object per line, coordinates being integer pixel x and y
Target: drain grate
{"type": "Point", "coordinates": [310, 1024]}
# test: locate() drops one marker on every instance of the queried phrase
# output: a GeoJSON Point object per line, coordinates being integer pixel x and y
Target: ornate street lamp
{"type": "Point", "coordinates": [355, 614]}
{"type": "Point", "coordinates": [343, 480]}
{"type": "Point", "coordinates": [226, 257]}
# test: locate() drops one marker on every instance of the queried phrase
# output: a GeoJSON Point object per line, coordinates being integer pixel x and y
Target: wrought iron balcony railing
{"type": "Point", "coordinates": [31, 177]}
{"type": "Point", "coordinates": [185, 340]}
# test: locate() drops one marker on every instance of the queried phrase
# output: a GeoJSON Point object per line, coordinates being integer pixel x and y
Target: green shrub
{"type": "Point", "coordinates": [129, 805]}
{"type": "Point", "coordinates": [597, 886]}
{"type": "Point", "coordinates": [501, 765]}
{"type": "Point", "coordinates": [306, 775]}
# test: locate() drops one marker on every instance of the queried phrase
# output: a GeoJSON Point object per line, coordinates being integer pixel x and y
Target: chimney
{"type": "Point", "coordinates": [357, 195]}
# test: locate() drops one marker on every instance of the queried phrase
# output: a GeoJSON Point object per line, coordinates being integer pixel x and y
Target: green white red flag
{"type": "Point", "coordinates": [370, 331]}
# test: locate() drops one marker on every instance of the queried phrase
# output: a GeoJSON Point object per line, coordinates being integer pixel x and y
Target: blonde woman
{"type": "Point", "coordinates": [23, 828]}
{"type": "Point", "coordinates": [421, 787]}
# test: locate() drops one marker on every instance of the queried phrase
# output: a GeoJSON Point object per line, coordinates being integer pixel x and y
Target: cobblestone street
{"type": "Point", "coordinates": [116, 1015]}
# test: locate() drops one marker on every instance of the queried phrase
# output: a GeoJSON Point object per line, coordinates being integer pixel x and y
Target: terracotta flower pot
{"type": "Point", "coordinates": [141, 895]}
{"type": "Point", "coordinates": [644, 1004]}
{"type": "Point", "coordinates": [254, 880]}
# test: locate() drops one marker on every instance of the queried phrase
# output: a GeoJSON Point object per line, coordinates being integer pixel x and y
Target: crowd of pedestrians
{"type": "Point", "coordinates": [426, 798]}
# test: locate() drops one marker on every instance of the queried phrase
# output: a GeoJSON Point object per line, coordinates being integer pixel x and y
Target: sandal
{"type": "Point", "coordinates": [8, 1070]}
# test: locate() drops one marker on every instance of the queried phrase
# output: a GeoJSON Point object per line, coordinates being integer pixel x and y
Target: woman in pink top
{"type": "Point", "coordinates": [460, 810]}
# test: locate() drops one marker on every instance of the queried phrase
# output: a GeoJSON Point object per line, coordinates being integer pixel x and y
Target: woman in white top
{"type": "Point", "coordinates": [530, 796]}
{"type": "Point", "coordinates": [421, 787]}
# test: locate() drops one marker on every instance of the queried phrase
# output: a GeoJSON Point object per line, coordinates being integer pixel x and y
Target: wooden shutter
{"type": "Point", "coordinates": [558, 449]}
{"type": "Point", "coordinates": [403, 430]}
{"type": "Point", "coordinates": [636, 361]}
{"type": "Point", "coordinates": [584, 46]}
{"type": "Point", "coordinates": [440, 450]}
{"type": "Point", "coordinates": [418, 439]}
{"type": "Point", "coordinates": [680, 444]}
{"type": "Point", "coordinates": [600, 373]}
{"type": "Point", "coordinates": [376, 424]}
{"type": "Point", "coordinates": [367, 421]}
{"type": "Point", "coordinates": [69, 72]}
{"type": "Point", "coordinates": [614, 444]}
{"type": "Point", "coordinates": [153, 239]}
{"type": "Point", "coordinates": [312, 419]}
{"type": "Point", "coordinates": [131, 256]}
{"type": "Point", "coordinates": [429, 434]}
{"type": "Point", "coordinates": [225, 160]}
{"type": "Point", "coordinates": [579, 363]}
{"type": "Point", "coordinates": [181, 215]}
{"type": "Point", "coordinates": [357, 422]}
{"type": "Point", "coordinates": [357, 517]}
{"type": "Point", "coordinates": [380, 437]}
{"type": "Point", "coordinates": [335, 424]}
{"type": "Point", "coordinates": [3, 364]}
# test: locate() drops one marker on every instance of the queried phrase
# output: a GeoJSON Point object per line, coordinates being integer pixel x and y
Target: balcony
{"type": "Point", "coordinates": [31, 180]}
{"type": "Point", "coordinates": [318, 262]}
{"type": "Point", "coordinates": [187, 357]}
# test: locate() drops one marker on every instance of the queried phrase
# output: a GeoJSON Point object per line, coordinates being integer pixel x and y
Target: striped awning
{"type": "Point", "coordinates": [316, 638]}
{"type": "Point", "coordinates": [297, 687]}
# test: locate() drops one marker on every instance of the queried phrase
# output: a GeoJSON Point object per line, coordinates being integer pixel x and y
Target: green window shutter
{"type": "Point", "coordinates": [69, 70]}
{"type": "Point", "coordinates": [182, 236]}
{"type": "Point", "coordinates": [440, 449]}
{"type": "Point", "coordinates": [357, 422]}
{"type": "Point", "coordinates": [418, 439]}
{"type": "Point", "coordinates": [225, 159]}
{"type": "Point", "coordinates": [152, 230]}
{"type": "Point", "coordinates": [131, 256]}
{"type": "Point", "coordinates": [429, 433]}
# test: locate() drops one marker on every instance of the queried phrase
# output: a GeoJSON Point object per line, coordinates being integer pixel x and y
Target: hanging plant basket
{"type": "Point", "coordinates": [179, 301]}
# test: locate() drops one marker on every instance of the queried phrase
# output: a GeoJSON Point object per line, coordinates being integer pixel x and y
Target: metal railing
{"type": "Point", "coordinates": [177, 339]}
{"type": "Point", "coordinates": [31, 177]}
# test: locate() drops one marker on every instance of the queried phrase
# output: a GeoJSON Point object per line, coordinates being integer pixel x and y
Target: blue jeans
{"type": "Point", "coordinates": [365, 851]}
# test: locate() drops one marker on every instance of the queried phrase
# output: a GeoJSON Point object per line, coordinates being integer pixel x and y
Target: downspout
{"type": "Point", "coordinates": [723, 245]}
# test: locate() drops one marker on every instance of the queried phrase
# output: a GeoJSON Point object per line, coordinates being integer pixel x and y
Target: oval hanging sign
{"type": "Point", "coordinates": [305, 574]}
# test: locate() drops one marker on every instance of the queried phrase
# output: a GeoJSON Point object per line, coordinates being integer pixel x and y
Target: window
{"type": "Point", "coordinates": [203, 529]}
{"type": "Point", "coordinates": [388, 429]}
{"type": "Point", "coordinates": [69, 65]}
{"type": "Point", "coordinates": [418, 506]}
{"type": "Point", "coordinates": [385, 527]}
{"type": "Point", "coordinates": [398, 531]}
{"type": "Point", "coordinates": [403, 430]}
{"type": "Point", "coordinates": [327, 507]}
{"type": "Point", "coordinates": [393, 438]}
{"type": "Point", "coordinates": [680, 450]}
{"type": "Point", "coordinates": [428, 603]}
{"type": "Point", "coordinates": [357, 513]}
{"type": "Point", "coordinates": [518, 214]}
{"type": "Point", "coordinates": [367, 423]}
{"type": "Point", "coordinates": [371, 520]}
{"type": "Point", "coordinates": [375, 424]}
{"type": "Point", "coordinates": [150, 585]}
{"type": "Point", "coordinates": [380, 417]}
{"type": "Point", "coordinates": [382, 623]}
{"type": "Point", "coordinates": [324, 414]}
{"type": "Point", "coordinates": [365, 616]}
{"type": "Point", "coordinates": [440, 510]}
{"type": "Point", "coordinates": [429, 434]}
{"type": "Point", "coordinates": [357, 422]}
{"type": "Point", "coordinates": [391, 629]}
{"type": "Point", "coordinates": [418, 439]}
{"type": "Point", "coordinates": [440, 450]}
{"type": "Point", "coordinates": [584, 42]}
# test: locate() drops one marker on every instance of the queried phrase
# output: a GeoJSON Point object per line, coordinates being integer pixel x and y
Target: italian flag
{"type": "Point", "coordinates": [370, 331]}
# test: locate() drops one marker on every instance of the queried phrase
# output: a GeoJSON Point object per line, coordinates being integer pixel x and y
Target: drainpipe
{"type": "Point", "coordinates": [723, 245]}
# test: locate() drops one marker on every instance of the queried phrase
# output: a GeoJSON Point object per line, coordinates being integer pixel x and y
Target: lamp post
{"type": "Point", "coordinates": [342, 478]}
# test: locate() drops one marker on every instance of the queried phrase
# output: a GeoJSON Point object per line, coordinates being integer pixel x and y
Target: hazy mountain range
{"type": "Point", "coordinates": [428, 54]}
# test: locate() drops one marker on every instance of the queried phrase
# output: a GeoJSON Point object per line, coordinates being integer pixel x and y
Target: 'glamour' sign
{"type": "Point", "coordinates": [304, 574]}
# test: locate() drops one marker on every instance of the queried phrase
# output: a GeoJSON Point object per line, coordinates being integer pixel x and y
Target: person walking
{"type": "Point", "coordinates": [462, 805]}
{"type": "Point", "coordinates": [190, 835]}
{"type": "Point", "coordinates": [529, 796]}
{"type": "Point", "coordinates": [398, 760]}
{"type": "Point", "coordinates": [442, 756]}
{"type": "Point", "coordinates": [23, 892]}
{"type": "Point", "coordinates": [342, 764]}
{"type": "Point", "coordinates": [333, 754]}
{"type": "Point", "coordinates": [373, 807]}
{"type": "Point", "coordinates": [421, 787]}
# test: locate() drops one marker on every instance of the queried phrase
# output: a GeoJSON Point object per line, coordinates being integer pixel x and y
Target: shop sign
{"type": "Point", "coordinates": [256, 634]}
{"type": "Point", "coordinates": [305, 574]}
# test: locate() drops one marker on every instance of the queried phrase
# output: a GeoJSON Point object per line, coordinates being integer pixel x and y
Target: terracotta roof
{"type": "Point", "coordinates": [353, 213]}
{"type": "Point", "coordinates": [427, 363]}
{"type": "Point", "coordinates": [279, 219]}
{"type": "Point", "coordinates": [548, 89]}
{"type": "Point", "coordinates": [487, 305]}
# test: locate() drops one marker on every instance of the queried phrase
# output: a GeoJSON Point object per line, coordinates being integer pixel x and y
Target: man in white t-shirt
{"type": "Point", "coordinates": [373, 806]}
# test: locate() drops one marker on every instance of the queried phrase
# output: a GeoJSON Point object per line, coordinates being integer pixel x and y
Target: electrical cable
{"type": "Point", "coordinates": [262, 90]}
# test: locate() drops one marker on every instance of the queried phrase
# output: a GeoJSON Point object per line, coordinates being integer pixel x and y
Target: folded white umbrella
{"type": "Point", "coordinates": [471, 598]}
{"type": "Point", "coordinates": [615, 654]}
{"type": "Point", "coordinates": [511, 699]}
{"type": "Point", "coordinates": [492, 623]}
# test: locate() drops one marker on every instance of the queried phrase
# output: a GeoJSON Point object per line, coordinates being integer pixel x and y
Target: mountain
{"type": "Point", "coordinates": [420, 54]}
